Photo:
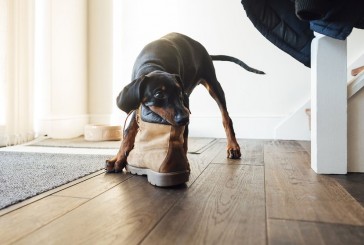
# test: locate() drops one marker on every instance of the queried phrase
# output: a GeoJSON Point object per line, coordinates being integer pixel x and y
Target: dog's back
{"type": "Point", "coordinates": [176, 54]}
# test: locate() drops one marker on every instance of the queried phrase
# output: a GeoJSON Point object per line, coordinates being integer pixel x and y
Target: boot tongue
{"type": "Point", "coordinates": [147, 115]}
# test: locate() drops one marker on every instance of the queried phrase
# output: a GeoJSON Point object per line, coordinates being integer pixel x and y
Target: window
{"type": "Point", "coordinates": [16, 71]}
{"type": "Point", "coordinates": [3, 45]}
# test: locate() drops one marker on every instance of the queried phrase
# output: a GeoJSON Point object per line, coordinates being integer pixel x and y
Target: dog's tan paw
{"type": "Point", "coordinates": [109, 165]}
{"type": "Point", "coordinates": [233, 153]}
{"type": "Point", "coordinates": [116, 164]}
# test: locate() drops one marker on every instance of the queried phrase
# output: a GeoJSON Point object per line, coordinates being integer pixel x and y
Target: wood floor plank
{"type": "Point", "coordinates": [224, 206]}
{"type": "Point", "coordinates": [199, 162]}
{"type": "Point", "coordinates": [31, 217]}
{"type": "Point", "coordinates": [294, 191]}
{"type": "Point", "coordinates": [24, 221]}
{"type": "Point", "coordinates": [101, 183]}
{"type": "Point", "coordinates": [305, 145]}
{"type": "Point", "coordinates": [94, 186]}
{"type": "Point", "coordinates": [122, 215]}
{"type": "Point", "coordinates": [47, 193]}
{"type": "Point", "coordinates": [284, 146]}
{"type": "Point", "coordinates": [226, 202]}
{"type": "Point", "coordinates": [251, 150]}
{"type": "Point", "coordinates": [312, 233]}
{"type": "Point", "coordinates": [198, 145]}
{"type": "Point", "coordinates": [353, 183]}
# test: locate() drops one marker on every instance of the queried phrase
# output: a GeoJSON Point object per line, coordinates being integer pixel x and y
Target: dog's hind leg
{"type": "Point", "coordinates": [117, 163]}
{"type": "Point", "coordinates": [216, 92]}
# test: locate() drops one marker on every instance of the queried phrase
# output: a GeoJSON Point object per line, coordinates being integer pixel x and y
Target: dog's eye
{"type": "Point", "coordinates": [159, 95]}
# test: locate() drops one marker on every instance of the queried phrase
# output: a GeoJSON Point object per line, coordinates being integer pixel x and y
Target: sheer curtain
{"type": "Point", "coordinates": [16, 71]}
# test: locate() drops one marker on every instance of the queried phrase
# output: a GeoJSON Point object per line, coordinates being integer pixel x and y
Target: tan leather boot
{"type": "Point", "coordinates": [158, 153]}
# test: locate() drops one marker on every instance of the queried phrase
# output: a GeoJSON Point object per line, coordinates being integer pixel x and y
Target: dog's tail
{"type": "Point", "coordinates": [237, 61]}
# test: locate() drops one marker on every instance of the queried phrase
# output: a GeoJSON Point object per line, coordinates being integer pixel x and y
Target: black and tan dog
{"type": "Point", "coordinates": [164, 75]}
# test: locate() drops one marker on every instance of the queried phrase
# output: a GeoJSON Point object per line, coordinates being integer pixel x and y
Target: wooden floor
{"type": "Point", "coordinates": [270, 196]}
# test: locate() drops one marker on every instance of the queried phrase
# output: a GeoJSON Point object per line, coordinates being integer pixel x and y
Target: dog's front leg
{"type": "Point", "coordinates": [117, 163]}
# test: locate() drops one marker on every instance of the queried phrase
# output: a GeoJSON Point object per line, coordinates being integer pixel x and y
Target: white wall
{"type": "Point", "coordinates": [89, 48]}
{"type": "Point", "coordinates": [256, 103]}
{"type": "Point", "coordinates": [355, 45]}
{"type": "Point", "coordinates": [61, 67]}
{"type": "Point", "coordinates": [100, 60]}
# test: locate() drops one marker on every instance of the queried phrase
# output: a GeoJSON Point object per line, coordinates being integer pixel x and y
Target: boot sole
{"type": "Point", "coordinates": [160, 179]}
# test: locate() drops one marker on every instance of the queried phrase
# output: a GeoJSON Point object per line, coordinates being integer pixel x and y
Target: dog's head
{"type": "Point", "coordinates": [162, 92]}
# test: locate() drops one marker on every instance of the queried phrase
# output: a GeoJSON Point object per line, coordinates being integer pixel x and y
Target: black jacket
{"type": "Point", "coordinates": [290, 24]}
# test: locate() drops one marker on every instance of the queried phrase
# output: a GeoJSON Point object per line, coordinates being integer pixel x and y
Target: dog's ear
{"type": "Point", "coordinates": [178, 79]}
{"type": "Point", "coordinates": [186, 100]}
{"type": "Point", "coordinates": [130, 97]}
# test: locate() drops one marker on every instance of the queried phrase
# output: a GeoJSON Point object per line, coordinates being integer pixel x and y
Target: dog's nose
{"type": "Point", "coordinates": [181, 120]}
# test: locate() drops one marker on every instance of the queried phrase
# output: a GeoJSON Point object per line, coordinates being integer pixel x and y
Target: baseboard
{"type": "Point", "coordinates": [63, 126]}
{"type": "Point", "coordinates": [247, 127]}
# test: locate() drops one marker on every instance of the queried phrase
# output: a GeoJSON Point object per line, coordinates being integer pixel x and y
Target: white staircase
{"type": "Point", "coordinates": [355, 109]}
{"type": "Point", "coordinates": [356, 124]}
{"type": "Point", "coordinates": [296, 127]}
